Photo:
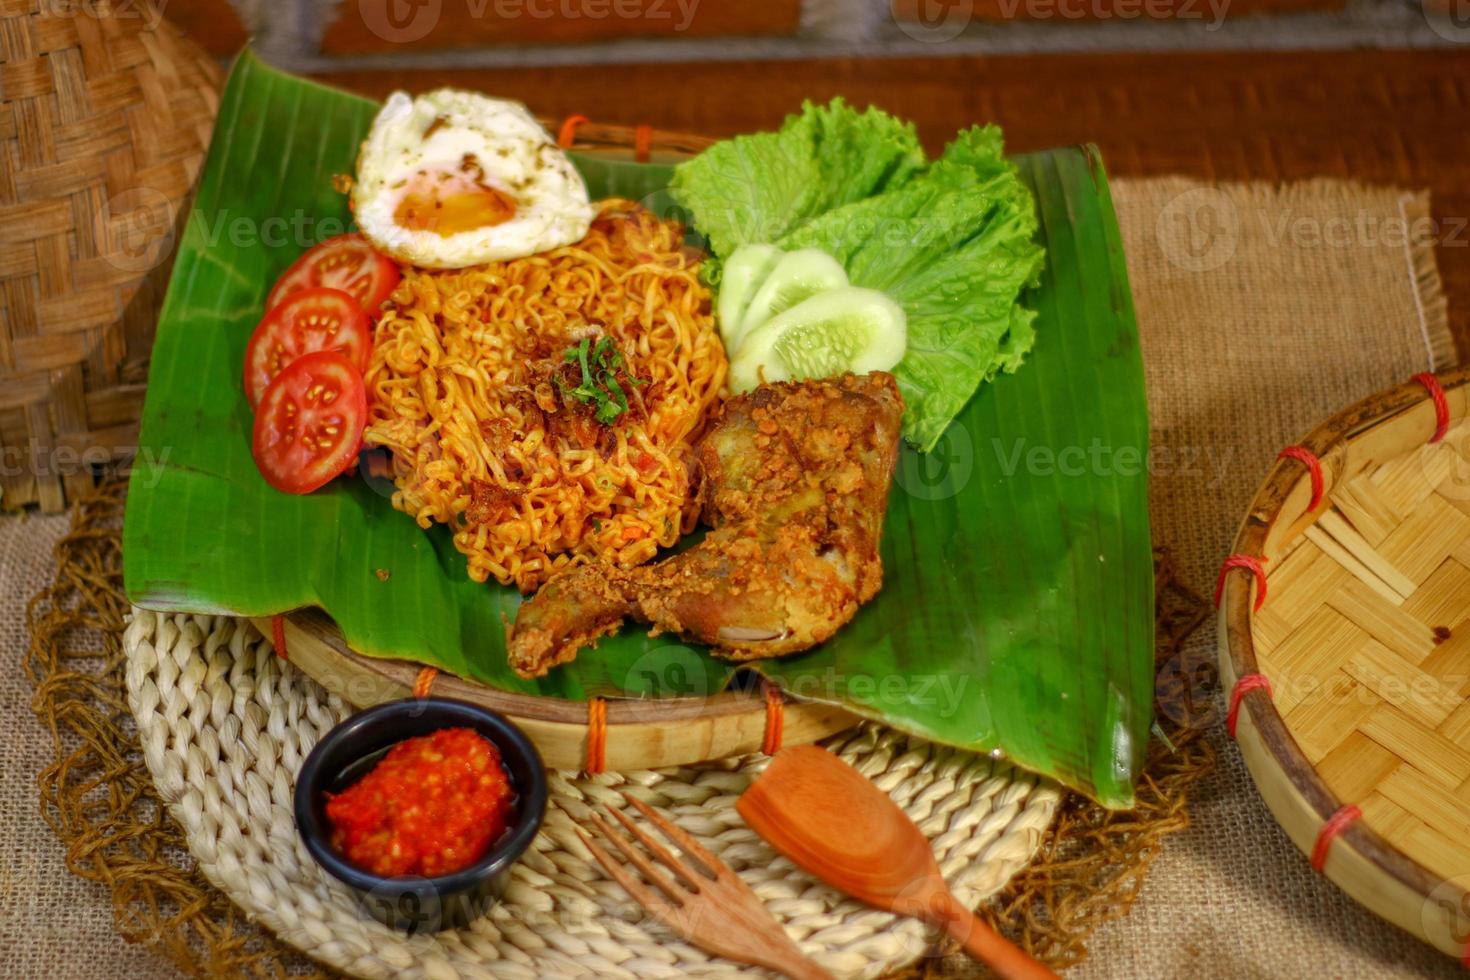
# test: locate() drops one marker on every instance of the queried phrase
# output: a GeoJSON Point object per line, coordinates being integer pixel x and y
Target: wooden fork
{"type": "Point", "coordinates": [708, 904]}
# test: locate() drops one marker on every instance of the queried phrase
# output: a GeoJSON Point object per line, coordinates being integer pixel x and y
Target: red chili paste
{"type": "Point", "coordinates": [431, 806]}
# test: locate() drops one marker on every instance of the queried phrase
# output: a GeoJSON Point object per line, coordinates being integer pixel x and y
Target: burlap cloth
{"type": "Point", "coordinates": [1261, 312]}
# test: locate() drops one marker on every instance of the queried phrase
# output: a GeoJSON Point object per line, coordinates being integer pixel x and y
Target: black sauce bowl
{"type": "Point", "coordinates": [413, 903]}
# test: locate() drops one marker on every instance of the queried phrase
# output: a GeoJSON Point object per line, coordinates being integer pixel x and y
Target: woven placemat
{"type": "Point", "coordinates": [225, 724]}
{"type": "Point", "coordinates": [101, 799]}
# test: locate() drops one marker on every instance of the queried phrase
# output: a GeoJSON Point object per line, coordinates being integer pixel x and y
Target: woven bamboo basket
{"type": "Point", "coordinates": [1345, 649]}
{"type": "Point", "coordinates": [103, 125]}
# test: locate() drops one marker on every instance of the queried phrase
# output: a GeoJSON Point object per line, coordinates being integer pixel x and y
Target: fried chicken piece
{"type": "Point", "coordinates": [795, 480]}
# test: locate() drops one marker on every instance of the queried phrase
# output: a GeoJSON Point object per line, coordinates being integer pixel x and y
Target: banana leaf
{"type": "Point", "coordinates": [1017, 611]}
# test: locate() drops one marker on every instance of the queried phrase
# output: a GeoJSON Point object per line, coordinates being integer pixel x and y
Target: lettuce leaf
{"type": "Point", "coordinates": [951, 241]}
{"type": "Point", "coordinates": [860, 153]}
{"type": "Point", "coordinates": [756, 188]}
{"type": "Point", "coordinates": [954, 248]}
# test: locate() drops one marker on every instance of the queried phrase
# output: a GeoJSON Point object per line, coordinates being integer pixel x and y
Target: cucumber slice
{"type": "Point", "coordinates": [843, 329]}
{"type": "Point", "coordinates": [745, 270]}
{"type": "Point", "coordinates": [799, 275]}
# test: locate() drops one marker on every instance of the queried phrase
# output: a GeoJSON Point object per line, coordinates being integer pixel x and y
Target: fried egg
{"type": "Point", "coordinates": [452, 179]}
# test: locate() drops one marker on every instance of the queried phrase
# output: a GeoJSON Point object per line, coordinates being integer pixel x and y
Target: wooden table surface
{"type": "Point", "coordinates": [1394, 117]}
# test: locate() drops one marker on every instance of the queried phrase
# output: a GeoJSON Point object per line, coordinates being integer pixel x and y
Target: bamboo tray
{"type": "Point", "coordinates": [1349, 674]}
{"type": "Point", "coordinates": [639, 734]}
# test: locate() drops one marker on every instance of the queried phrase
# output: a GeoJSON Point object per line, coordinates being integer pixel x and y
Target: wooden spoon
{"type": "Point", "coordinates": [831, 820]}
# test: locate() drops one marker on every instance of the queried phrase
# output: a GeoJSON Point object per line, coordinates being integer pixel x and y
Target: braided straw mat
{"type": "Point", "coordinates": [225, 725]}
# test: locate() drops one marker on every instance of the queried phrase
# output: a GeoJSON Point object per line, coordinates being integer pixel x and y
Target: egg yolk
{"type": "Point", "coordinates": [448, 204]}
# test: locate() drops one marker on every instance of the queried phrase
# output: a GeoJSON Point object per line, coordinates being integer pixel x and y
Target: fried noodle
{"type": "Point", "coordinates": [468, 390]}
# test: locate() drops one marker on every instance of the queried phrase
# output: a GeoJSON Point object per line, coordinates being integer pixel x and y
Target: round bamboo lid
{"type": "Point", "coordinates": [106, 117]}
{"type": "Point", "coordinates": [1345, 652]}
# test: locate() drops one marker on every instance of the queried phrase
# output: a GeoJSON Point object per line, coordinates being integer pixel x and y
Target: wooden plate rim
{"type": "Point", "coordinates": [607, 138]}
{"type": "Point", "coordinates": [1238, 648]}
{"type": "Point", "coordinates": [620, 710]}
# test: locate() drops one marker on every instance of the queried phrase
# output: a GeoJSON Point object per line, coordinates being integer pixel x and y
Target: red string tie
{"type": "Point", "coordinates": [424, 681]}
{"type": "Point", "coordinates": [1441, 405]}
{"type": "Point", "coordinates": [1243, 561]}
{"type": "Point", "coordinates": [1334, 826]}
{"type": "Point", "coordinates": [1314, 466]}
{"type": "Point", "coordinates": [596, 735]}
{"type": "Point", "coordinates": [278, 635]}
{"type": "Point", "coordinates": [568, 134]}
{"type": "Point", "coordinates": [1246, 684]}
{"type": "Point", "coordinates": [775, 718]}
{"type": "Point", "coordinates": [642, 140]}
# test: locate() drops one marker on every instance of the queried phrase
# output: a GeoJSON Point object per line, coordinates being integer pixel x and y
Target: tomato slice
{"type": "Point", "coordinates": [312, 319]}
{"type": "Point", "coordinates": [348, 263]}
{"type": "Point", "coordinates": [308, 426]}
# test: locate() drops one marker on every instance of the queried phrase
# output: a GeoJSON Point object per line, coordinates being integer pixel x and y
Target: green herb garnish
{"type": "Point", "coordinates": [600, 364]}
